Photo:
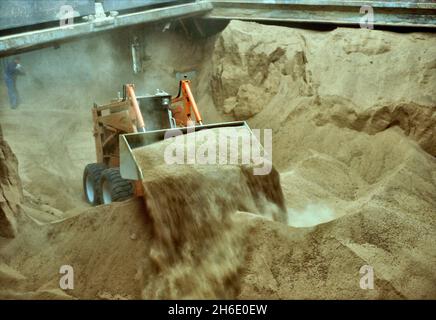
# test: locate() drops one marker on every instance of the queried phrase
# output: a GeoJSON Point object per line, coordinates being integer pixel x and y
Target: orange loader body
{"type": "Point", "coordinates": [126, 115]}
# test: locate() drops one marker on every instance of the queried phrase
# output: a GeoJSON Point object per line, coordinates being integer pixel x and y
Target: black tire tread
{"type": "Point", "coordinates": [95, 170]}
{"type": "Point", "coordinates": [121, 189]}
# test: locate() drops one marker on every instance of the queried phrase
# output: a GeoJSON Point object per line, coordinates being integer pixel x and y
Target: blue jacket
{"type": "Point", "coordinates": [11, 70]}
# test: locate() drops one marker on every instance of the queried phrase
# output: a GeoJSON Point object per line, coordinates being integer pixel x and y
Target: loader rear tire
{"type": "Point", "coordinates": [91, 182]}
{"type": "Point", "coordinates": [113, 187]}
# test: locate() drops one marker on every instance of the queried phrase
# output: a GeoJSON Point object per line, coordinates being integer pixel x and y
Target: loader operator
{"type": "Point", "coordinates": [13, 68]}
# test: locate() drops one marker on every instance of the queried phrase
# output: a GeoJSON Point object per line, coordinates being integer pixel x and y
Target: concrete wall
{"type": "Point", "coordinates": [90, 69]}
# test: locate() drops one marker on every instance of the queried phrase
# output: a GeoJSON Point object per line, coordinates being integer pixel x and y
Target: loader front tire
{"type": "Point", "coordinates": [113, 187]}
{"type": "Point", "coordinates": [91, 182]}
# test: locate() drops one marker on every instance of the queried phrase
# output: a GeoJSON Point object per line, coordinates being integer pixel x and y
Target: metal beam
{"type": "Point", "coordinates": [12, 43]}
{"type": "Point", "coordinates": [423, 4]}
{"type": "Point", "coordinates": [399, 13]}
{"type": "Point", "coordinates": [386, 13]}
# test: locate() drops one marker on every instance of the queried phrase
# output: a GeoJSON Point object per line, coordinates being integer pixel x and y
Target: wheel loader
{"type": "Point", "coordinates": [131, 122]}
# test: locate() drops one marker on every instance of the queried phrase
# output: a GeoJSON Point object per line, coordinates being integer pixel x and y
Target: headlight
{"type": "Point", "coordinates": [166, 101]}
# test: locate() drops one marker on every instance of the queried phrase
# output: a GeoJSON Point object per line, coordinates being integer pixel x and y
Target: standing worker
{"type": "Point", "coordinates": [13, 68]}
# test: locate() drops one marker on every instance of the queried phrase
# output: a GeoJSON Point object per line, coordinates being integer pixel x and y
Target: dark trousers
{"type": "Point", "coordinates": [12, 92]}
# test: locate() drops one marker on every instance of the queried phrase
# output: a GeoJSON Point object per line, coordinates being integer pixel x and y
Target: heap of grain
{"type": "Point", "coordinates": [191, 207]}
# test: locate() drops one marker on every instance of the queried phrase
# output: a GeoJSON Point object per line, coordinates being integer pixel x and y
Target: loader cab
{"type": "Point", "coordinates": [156, 112]}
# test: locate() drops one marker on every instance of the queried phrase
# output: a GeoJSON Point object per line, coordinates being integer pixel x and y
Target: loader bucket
{"type": "Point", "coordinates": [129, 167]}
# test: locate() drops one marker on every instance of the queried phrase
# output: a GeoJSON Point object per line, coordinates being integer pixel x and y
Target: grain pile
{"type": "Point", "coordinates": [353, 139]}
{"type": "Point", "coordinates": [191, 208]}
{"type": "Point", "coordinates": [152, 249]}
{"type": "Point", "coordinates": [11, 192]}
{"type": "Point", "coordinates": [353, 119]}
